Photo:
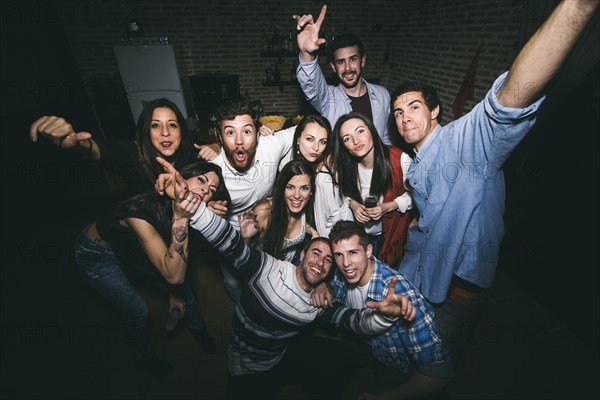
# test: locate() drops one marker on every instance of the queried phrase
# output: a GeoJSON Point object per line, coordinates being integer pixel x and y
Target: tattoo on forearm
{"type": "Point", "coordinates": [181, 251]}
{"type": "Point", "coordinates": [169, 254]}
{"type": "Point", "coordinates": [180, 233]}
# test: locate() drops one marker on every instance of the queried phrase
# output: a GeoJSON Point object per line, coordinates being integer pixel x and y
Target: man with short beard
{"type": "Point", "coordinates": [347, 59]}
{"type": "Point", "coordinates": [249, 167]}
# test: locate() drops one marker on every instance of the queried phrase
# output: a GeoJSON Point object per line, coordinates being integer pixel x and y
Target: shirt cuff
{"type": "Point", "coordinates": [404, 202]}
{"type": "Point", "coordinates": [303, 63]}
{"type": "Point", "coordinates": [197, 219]}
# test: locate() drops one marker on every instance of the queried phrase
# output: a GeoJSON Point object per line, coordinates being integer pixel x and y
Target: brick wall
{"type": "Point", "coordinates": [439, 39]}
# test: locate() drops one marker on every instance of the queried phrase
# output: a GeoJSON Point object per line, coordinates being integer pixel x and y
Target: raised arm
{"type": "Point", "coordinates": [375, 318]}
{"type": "Point", "coordinates": [170, 260]}
{"type": "Point", "coordinates": [308, 34]}
{"type": "Point", "coordinates": [544, 53]}
{"type": "Point", "coordinates": [61, 133]}
{"type": "Point", "coordinates": [219, 233]}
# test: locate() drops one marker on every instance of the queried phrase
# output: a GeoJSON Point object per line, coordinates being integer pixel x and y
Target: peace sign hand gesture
{"type": "Point", "coordinates": [394, 304]}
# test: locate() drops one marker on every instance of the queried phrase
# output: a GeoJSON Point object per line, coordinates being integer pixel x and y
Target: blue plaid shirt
{"type": "Point", "coordinates": [405, 342]}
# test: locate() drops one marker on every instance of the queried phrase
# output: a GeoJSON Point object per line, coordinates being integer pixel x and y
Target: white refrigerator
{"type": "Point", "coordinates": [148, 72]}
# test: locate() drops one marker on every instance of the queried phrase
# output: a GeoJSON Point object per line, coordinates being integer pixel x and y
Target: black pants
{"type": "Point", "coordinates": [322, 367]}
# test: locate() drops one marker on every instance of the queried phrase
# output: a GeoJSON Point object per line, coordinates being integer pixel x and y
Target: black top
{"type": "Point", "coordinates": [362, 104]}
{"type": "Point", "coordinates": [124, 241]}
{"type": "Point", "coordinates": [121, 159]}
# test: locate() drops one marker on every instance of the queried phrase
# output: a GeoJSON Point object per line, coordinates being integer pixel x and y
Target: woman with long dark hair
{"type": "Point", "coordinates": [287, 223]}
{"type": "Point", "coordinates": [161, 131]}
{"type": "Point", "coordinates": [314, 142]}
{"type": "Point", "coordinates": [369, 170]}
{"type": "Point", "coordinates": [147, 236]}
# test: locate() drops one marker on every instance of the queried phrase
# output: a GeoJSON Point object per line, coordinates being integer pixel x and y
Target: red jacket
{"type": "Point", "coordinates": [395, 223]}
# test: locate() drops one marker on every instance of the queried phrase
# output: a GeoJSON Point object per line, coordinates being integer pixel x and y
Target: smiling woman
{"type": "Point", "coordinates": [285, 227]}
{"type": "Point", "coordinates": [165, 133]}
{"type": "Point", "coordinates": [161, 131]}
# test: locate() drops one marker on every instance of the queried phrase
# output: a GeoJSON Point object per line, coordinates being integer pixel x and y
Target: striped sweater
{"type": "Point", "coordinates": [273, 307]}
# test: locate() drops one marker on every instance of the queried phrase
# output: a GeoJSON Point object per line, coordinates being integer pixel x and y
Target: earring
{"type": "Point", "coordinates": [297, 151]}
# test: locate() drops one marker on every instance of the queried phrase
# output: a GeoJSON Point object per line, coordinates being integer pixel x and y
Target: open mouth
{"type": "Point", "coordinates": [166, 144]}
{"type": "Point", "coordinates": [240, 156]}
{"type": "Point", "coordinates": [350, 273]}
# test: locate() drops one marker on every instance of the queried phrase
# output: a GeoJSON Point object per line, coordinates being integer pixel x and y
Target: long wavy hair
{"type": "Point", "coordinates": [147, 152]}
{"type": "Point", "coordinates": [277, 227]}
{"type": "Point", "coordinates": [346, 165]}
{"type": "Point", "coordinates": [162, 207]}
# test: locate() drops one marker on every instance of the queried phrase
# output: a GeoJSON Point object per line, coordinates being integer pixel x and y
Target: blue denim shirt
{"type": "Point", "coordinates": [458, 187]}
{"type": "Point", "coordinates": [332, 102]}
{"type": "Point", "coordinates": [405, 344]}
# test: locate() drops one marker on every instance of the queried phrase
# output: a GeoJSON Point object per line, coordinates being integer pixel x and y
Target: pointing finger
{"type": "Point", "coordinates": [321, 15]}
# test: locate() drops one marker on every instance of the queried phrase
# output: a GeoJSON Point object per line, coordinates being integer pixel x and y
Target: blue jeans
{"type": "Point", "coordinates": [101, 269]}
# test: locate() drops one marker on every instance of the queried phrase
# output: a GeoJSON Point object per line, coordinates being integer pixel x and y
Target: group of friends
{"type": "Point", "coordinates": [323, 221]}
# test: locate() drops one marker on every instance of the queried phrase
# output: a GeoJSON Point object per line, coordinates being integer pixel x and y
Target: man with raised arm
{"type": "Point", "coordinates": [347, 59]}
{"type": "Point", "coordinates": [456, 176]}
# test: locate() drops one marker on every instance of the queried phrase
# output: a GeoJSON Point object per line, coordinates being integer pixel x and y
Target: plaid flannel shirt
{"type": "Point", "coordinates": [405, 342]}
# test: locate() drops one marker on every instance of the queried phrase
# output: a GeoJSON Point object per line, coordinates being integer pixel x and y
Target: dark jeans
{"type": "Point", "coordinates": [101, 269]}
{"type": "Point", "coordinates": [456, 322]}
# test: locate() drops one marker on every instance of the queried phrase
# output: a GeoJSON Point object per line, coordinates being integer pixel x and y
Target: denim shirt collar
{"type": "Point", "coordinates": [419, 155]}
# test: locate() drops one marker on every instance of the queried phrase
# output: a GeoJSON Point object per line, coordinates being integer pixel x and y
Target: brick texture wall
{"type": "Point", "coordinates": [420, 40]}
